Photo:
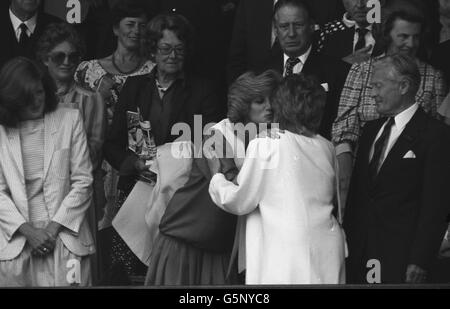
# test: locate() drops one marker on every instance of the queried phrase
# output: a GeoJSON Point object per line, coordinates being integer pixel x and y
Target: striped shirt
{"type": "Point", "coordinates": [32, 142]}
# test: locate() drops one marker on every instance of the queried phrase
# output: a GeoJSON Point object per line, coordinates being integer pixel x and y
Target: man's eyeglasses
{"type": "Point", "coordinates": [59, 58]}
{"type": "Point", "coordinates": [168, 49]}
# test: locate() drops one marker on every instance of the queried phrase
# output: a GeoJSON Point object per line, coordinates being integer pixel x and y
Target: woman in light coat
{"type": "Point", "coordinates": [45, 183]}
{"type": "Point", "coordinates": [287, 190]}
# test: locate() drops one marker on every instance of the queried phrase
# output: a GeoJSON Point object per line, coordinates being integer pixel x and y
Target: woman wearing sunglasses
{"type": "Point", "coordinates": [60, 50]}
{"type": "Point", "coordinates": [168, 95]}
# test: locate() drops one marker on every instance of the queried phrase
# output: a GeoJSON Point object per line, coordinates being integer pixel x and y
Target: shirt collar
{"type": "Point", "coordinates": [302, 58]}
{"type": "Point", "coordinates": [16, 22]}
{"type": "Point", "coordinates": [351, 23]}
{"type": "Point", "coordinates": [402, 119]}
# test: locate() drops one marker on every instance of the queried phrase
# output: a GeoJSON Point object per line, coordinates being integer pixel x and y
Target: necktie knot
{"type": "Point", "coordinates": [23, 28]}
{"type": "Point", "coordinates": [290, 64]}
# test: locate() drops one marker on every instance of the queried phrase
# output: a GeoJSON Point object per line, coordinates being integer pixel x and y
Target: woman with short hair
{"type": "Point", "coordinates": [45, 183]}
{"type": "Point", "coordinates": [286, 188]}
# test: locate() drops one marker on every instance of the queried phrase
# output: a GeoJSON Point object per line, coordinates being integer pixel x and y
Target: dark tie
{"type": "Point", "coordinates": [361, 43]}
{"type": "Point", "coordinates": [24, 38]}
{"type": "Point", "coordinates": [380, 147]}
{"type": "Point", "coordinates": [290, 64]}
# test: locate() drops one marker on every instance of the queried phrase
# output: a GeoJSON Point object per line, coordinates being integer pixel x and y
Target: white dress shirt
{"type": "Point", "coordinates": [401, 120]}
{"type": "Point", "coordinates": [299, 66]}
{"type": "Point", "coordinates": [16, 22]}
{"type": "Point", "coordinates": [370, 40]}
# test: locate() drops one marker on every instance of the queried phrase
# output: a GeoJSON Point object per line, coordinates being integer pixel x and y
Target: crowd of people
{"type": "Point", "coordinates": [323, 154]}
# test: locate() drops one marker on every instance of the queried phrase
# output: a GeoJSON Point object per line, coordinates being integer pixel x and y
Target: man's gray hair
{"type": "Point", "coordinates": [404, 65]}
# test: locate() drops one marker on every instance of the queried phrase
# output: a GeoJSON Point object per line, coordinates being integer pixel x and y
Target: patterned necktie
{"type": "Point", "coordinates": [361, 43]}
{"type": "Point", "coordinates": [290, 64]}
{"type": "Point", "coordinates": [380, 148]}
{"type": "Point", "coordinates": [24, 38]}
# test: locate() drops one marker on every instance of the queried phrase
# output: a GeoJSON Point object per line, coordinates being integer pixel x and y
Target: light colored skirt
{"type": "Point", "coordinates": [61, 268]}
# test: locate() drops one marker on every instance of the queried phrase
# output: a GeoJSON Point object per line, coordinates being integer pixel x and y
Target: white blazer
{"type": "Point", "coordinates": [67, 184]}
{"type": "Point", "coordinates": [287, 188]}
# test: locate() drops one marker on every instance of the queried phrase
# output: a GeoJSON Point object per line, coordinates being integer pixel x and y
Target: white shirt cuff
{"type": "Point", "coordinates": [343, 148]}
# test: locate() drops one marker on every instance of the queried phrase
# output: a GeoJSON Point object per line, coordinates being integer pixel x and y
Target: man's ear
{"type": "Point", "coordinates": [405, 86]}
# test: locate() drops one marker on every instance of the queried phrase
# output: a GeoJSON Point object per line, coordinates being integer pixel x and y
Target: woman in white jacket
{"type": "Point", "coordinates": [287, 189]}
{"type": "Point", "coordinates": [45, 183]}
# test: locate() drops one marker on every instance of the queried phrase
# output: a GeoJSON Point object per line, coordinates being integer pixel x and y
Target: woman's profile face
{"type": "Point", "coordinates": [35, 108]}
{"type": "Point", "coordinates": [170, 53]}
{"type": "Point", "coordinates": [62, 61]}
{"type": "Point", "coordinates": [129, 32]}
{"type": "Point", "coordinates": [260, 111]}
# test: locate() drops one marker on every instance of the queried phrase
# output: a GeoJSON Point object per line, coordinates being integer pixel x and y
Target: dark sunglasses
{"type": "Point", "coordinates": [59, 58]}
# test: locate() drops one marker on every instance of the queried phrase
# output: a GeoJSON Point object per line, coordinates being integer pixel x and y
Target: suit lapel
{"type": "Point", "coordinates": [404, 142]}
{"type": "Point", "coordinates": [366, 146]}
{"type": "Point", "coordinates": [16, 149]}
{"type": "Point", "coordinates": [312, 65]}
{"type": "Point", "coordinates": [50, 128]}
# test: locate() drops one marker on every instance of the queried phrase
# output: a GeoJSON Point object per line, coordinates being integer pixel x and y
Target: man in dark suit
{"type": "Point", "coordinates": [398, 201]}
{"type": "Point", "coordinates": [294, 53]}
{"type": "Point", "coordinates": [253, 39]}
{"type": "Point", "coordinates": [351, 38]}
{"type": "Point", "coordinates": [20, 27]}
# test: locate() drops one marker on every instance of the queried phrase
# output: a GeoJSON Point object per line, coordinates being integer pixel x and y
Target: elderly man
{"type": "Point", "coordinates": [398, 203]}
{"type": "Point", "coordinates": [356, 106]}
{"type": "Point", "coordinates": [293, 53]}
{"type": "Point", "coordinates": [20, 26]}
{"type": "Point", "coordinates": [353, 38]}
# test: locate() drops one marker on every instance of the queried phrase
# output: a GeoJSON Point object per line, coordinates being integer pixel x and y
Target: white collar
{"type": "Point", "coordinates": [16, 22]}
{"type": "Point", "coordinates": [302, 58]}
{"type": "Point", "coordinates": [402, 119]}
{"type": "Point", "coordinates": [351, 23]}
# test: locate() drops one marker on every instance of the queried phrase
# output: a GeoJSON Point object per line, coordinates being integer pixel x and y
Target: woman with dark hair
{"type": "Point", "coordinates": [287, 190]}
{"type": "Point", "coordinates": [45, 183]}
{"type": "Point", "coordinates": [60, 50]}
{"type": "Point", "coordinates": [195, 238]}
{"type": "Point", "coordinates": [108, 75]}
{"type": "Point", "coordinates": [168, 95]}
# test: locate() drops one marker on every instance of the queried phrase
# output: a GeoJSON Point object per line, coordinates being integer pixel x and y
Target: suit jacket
{"type": "Point", "coordinates": [400, 217]}
{"type": "Point", "coordinates": [327, 71]}
{"type": "Point", "coordinates": [9, 37]}
{"type": "Point", "coordinates": [339, 43]}
{"type": "Point", "coordinates": [67, 184]}
{"type": "Point", "coordinates": [252, 33]}
{"type": "Point", "coordinates": [194, 96]}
